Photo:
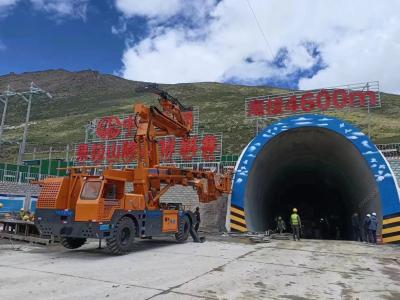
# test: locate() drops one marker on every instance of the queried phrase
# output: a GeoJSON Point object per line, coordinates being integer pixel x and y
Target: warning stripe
{"type": "Point", "coordinates": [238, 219]}
{"type": "Point", "coordinates": [392, 239]}
{"type": "Point", "coordinates": [391, 228]}
{"type": "Point", "coordinates": [237, 211]}
{"type": "Point", "coordinates": [395, 224]}
{"type": "Point", "coordinates": [391, 220]}
{"type": "Point", "coordinates": [238, 222]}
{"type": "Point", "coordinates": [238, 227]}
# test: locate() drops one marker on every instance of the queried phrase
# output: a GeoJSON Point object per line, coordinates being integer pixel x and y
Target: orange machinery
{"type": "Point", "coordinates": [120, 205]}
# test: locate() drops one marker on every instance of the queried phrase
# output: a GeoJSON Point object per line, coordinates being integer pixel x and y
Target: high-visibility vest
{"type": "Point", "coordinates": [294, 219]}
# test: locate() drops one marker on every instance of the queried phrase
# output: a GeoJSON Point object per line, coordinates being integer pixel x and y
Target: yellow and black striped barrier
{"type": "Point", "coordinates": [238, 222]}
{"type": "Point", "coordinates": [391, 228]}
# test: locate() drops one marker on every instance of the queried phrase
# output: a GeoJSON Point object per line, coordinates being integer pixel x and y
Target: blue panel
{"type": "Point", "coordinates": [153, 213]}
{"type": "Point", "coordinates": [64, 212]}
{"type": "Point", "coordinates": [104, 227]}
{"type": "Point", "coordinates": [11, 203]}
{"type": "Point", "coordinates": [387, 185]}
{"type": "Point", "coordinates": [33, 204]}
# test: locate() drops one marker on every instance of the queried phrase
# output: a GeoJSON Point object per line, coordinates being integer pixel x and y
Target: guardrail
{"type": "Point", "coordinates": [221, 166]}
{"type": "Point", "coordinates": [21, 177]}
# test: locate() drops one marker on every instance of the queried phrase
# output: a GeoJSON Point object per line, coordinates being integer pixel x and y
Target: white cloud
{"type": "Point", "coordinates": [151, 9]}
{"type": "Point", "coordinates": [358, 41]}
{"type": "Point", "coordinates": [63, 8]}
{"type": "Point", "coordinates": [161, 10]}
{"type": "Point", "coordinates": [6, 5]}
{"type": "Point", "coordinates": [120, 28]}
{"type": "Point", "coordinates": [58, 8]}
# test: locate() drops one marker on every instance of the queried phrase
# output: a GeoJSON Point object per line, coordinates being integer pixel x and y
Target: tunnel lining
{"type": "Point", "coordinates": [387, 187]}
{"type": "Point", "coordinates": [310, 154]}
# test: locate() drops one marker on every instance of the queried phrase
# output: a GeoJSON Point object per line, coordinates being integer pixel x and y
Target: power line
{"type": "Point", "coordinates": [262, 32]}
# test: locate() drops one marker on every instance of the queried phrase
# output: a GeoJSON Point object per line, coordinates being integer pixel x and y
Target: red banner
{"type": "Point", "coordinates": [308, 101]}
{"type": "Point", "coordinates": [205, 147]}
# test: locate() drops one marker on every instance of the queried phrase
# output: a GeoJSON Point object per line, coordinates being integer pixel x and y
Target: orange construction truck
{"type": "Point", "coordinates": [81, 205]}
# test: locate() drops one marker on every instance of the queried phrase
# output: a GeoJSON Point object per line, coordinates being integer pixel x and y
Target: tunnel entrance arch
{"type": "Point", "coordinates": [322, 165]}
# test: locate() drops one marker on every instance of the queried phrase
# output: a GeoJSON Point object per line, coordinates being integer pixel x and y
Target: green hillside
{"type": "Point", "coordinates": [79, 97]}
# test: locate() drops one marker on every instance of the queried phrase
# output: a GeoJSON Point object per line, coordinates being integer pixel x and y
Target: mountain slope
{"type": "Point", "coordinates": [79, 97]}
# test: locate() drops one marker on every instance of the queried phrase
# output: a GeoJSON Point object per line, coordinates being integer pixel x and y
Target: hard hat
{"type": "Point", "coordinates": [374, 214]}
{"type": "Point", "coordinates": [294, 209]}
{"type": "Point", "coordinates": [22, 209]}
{"type": "Point", "coordinates": [1, 205]}
{"type": "Point", "coordinates": [368, 215]}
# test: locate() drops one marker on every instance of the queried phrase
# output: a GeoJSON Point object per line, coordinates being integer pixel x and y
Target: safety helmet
{"type": "Point", "coordinates": [368, 215]}
{"type": "Point", "coordinates": [22, 209]}
{"type": "Point", "coordinates": [1, 205]}
{"type": "Point", "coordinates": [374, 214]}
{"type": "Point", "coordinates": [294, 209]}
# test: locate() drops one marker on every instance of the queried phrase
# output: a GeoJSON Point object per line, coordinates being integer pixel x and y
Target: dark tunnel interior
{"type": "Point", "coordinates": [319, 172]}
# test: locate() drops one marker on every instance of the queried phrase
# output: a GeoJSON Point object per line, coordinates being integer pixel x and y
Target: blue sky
{"type": "Point", "coordinates": [292, 43]}
{"type": "Point", "coordinates": [34, 40]}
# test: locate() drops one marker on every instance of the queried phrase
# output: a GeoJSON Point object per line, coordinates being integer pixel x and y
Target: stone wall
{"type": "Point", "coordinates": [13, 188]}
{"type": "Point", "coordinates": [212, 214]}
{"type": "Point", "coordinates": [395, 165]}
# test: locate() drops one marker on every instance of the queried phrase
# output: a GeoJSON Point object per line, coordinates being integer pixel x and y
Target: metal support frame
{"type": "Point", "coordinates": [4, 99]}
{"type": "Point", "coordinates": [28, 113]}
{"type": "Point", "coordinates": [27, 96]}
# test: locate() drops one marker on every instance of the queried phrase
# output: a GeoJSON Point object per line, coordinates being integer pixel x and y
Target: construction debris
{"type": "Point", "coordinates": [283, 236]}
{"type": "Point", "coordinates": [255, 237]}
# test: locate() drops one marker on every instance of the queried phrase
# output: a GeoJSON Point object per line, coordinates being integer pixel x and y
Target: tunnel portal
{"type": "Point", "coordinates": [324, 167]}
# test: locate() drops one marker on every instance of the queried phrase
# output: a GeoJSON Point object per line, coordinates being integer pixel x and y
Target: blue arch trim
{"type": "Point", "coordinates": [380, 168]}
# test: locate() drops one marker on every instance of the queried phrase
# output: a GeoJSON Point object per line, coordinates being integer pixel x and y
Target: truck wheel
{"type": "Point", "coordinates": [72, 243]}
{"type": "Point", "coordinates": [183, 230]}
{"type": "Point", "coordinates": [122, 237]}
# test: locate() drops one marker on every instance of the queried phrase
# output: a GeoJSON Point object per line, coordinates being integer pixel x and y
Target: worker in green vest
{"type": "Point", "coordinates": [21, 214]}
{"type": "Point", "coordinates": [296, 224]}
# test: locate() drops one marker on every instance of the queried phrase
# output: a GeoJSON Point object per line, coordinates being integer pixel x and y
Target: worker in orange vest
{"type": "Point", "coordinates": [296, 224]}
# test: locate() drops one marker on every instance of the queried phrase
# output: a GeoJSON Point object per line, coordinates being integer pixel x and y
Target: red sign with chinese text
{"type": "Point", "coordinates": [205, 147]}
{"type": "Point", "coordinates": [116, 127]}
{"type": "Point", "coordinates": [308, 101]}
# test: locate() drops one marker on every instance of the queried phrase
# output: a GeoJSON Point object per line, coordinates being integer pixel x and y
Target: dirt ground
{"type": "Point", "coordinates": [221, 268]}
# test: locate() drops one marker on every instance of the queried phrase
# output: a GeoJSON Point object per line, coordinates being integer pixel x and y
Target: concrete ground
{"type": "Point", "coordinates": [221, 268]}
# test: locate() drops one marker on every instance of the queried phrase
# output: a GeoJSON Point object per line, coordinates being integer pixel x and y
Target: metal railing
{"type": "Point", "coordinates": [21, 177]}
